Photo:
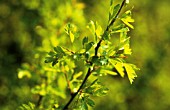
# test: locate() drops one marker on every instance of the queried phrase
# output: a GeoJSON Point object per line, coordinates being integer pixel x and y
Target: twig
{"type": "Point", "coordinates": [107, 28]}
{"type": "Point", "coordinates": [39, 101]}
{"type": "Point", "coordinates": [75, 94]}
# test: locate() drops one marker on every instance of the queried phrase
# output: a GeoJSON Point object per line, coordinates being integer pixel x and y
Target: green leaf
{"type": "Point", "coordinates": [113, 12]}
{"type": "Point", "coordinates": [95, 29]}
{"type": "Point", "coordinates": [54, 62]}
{"type": "Point", "coordinates": [106, 36]}
{"type": "Point", "coordinates": [71, 37]}
{"type": "Point", "coordinates": [85, 40]}
{"type": "Point", "coordinates": [87, 55]}
{"type": "Point", "coordinates": [108, 72]}
{"type": "Point", "coordinates": [130, 71]}
{"type": "Point", "coordinates": [103, 61]}
{"type": "Point", "coordinates": [83, 105]}
{"type": "Point", "coordinates": [91, 27]}
{"type": "Point", "coordinates": [94, 82]}
{"type": "Point", "coordinates": [29, 106]}
{"type": "Point", "coordinates": [127, 19]}
{"type": "Point", "coordinates": [95, 59]}
{"type": "Point", "coordinates": [98, 31]}
{"type": "Point", "coordinates": [51, 53]}
{"type": "Point", "coordinates": [101, 91]}
{"type": "Point", "coordinates": [89, 45]}
{"type": "Point", "coordinates": [123, 34]}
{"type": "Point", "coordinates": [119, 68]}
{"type": "Point", "coordinates": [59, 50]}
{"type": "Point", "coordinates": [111, 2]}
{"type": "Point", "coordinates": [90, 102]}
{"type": "Point", "coordinates": [127, 49]}
{"type": "Point", "coordinates": [71, 30]}
{"type": "Point", "coordinates": [32, 106]}
{"type": "Point", "coordinates": [49, 59]}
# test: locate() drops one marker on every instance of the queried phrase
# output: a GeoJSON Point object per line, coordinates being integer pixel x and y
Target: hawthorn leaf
{"type": "Point", "coordinates": [71, 30]}
{"type": "Point", "coordinates": [89, 45]}
{"type": "Point", "coordinates": [130, 72]}
{"type": "Point", "coordinates": [90, 102]}
{"type": "Point", "coordinates": [91, 27]}
{"type": "Point", "coordinates": [99, 30]}
{"type": "Point", "coordinates": [59, 50]}
{"type": "Point", "coordinates": [113, 12]}
{"type": "Point", "coordinates": [127, 19]}
{"type": "Point", "coordinates": [71, 37]}
{"type": "Point", "coordinates": [83, 106]}
{"type": "Point", "coordinates": [85, 40]}
{"type": "Point", "coordinates": [109, 72]}
{"type": "Point", "coordinates": [119, 68]}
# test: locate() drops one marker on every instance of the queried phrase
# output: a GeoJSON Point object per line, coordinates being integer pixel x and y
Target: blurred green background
{"type": "Point", "coordinates": [28, 26]}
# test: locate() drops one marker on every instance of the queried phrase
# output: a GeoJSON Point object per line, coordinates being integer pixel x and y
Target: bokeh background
{"type": "Point", "coordinates": [28, 26]}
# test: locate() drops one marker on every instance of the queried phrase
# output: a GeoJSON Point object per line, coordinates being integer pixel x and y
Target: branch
{"type": "Point", "coordinates": [107, 28]}
{"type": "Point", "coordinates": [96, 51]}
{"type": "Point", "coordinates": [39, 101]}
{"type": "Point", "coordinates": [75, 94]}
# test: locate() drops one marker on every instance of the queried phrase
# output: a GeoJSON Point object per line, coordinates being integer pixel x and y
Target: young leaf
{"type": "Point", "coordinates": [71, 37]}
{"type": "Point", "coordinates": [101, 91]}
{"type": "Point", "coordinates": [127, 19]}
{"type": "Point", "coordinates": [108, 72]}
{"type": "Point", "coordinates": [71, 30]}
{"type": "Point", "coordinates": [130, 72]}
{"type": "Point", "coordinates": [91, 27]}
{"type": "Point", "coordinates": [113, 12]}
{"type": "Point", "coordinates": [99, 30]}
{"type": "Point", "coordinates": [119, 68]}
{"type": "Point", "coordinates": [89, 45]}
{"type": "Point", "coordinates": [85, 40]}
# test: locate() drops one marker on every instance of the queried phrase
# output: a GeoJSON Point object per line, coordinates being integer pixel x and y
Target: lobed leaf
{"type": "Point", "coordinates": [130, 72]}
{"type": "Point", "coordinates": [90, 102]}
{"type": "Point", "coordinates": [120, 69]}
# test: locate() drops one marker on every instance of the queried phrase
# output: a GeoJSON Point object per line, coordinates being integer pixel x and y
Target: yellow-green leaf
{"type": "Point", "coordinates": [130, 72]}
{"type": "Point", "coordinates": [91, 27]}
{"type": "Point", "coordinates": [119, 68]}
{"type": "Point", "coordinates": [127, 21]}
{"type": "Point", "coordinates": [99, 30]}
{"type": "Point", "coordinates": [71, 37]}
{"type": "Point", "coordinates": [108, 72]}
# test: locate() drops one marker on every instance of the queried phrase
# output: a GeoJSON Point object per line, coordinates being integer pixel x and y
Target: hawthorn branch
{"type": "Point", "coordinates": [96, 52]}
{"type": "Point", "coordinates": [75, 94]}
{"type": "Point", "coordinates": [109, 25]}
{"type": "Point", "coordinates": [39, 101]}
